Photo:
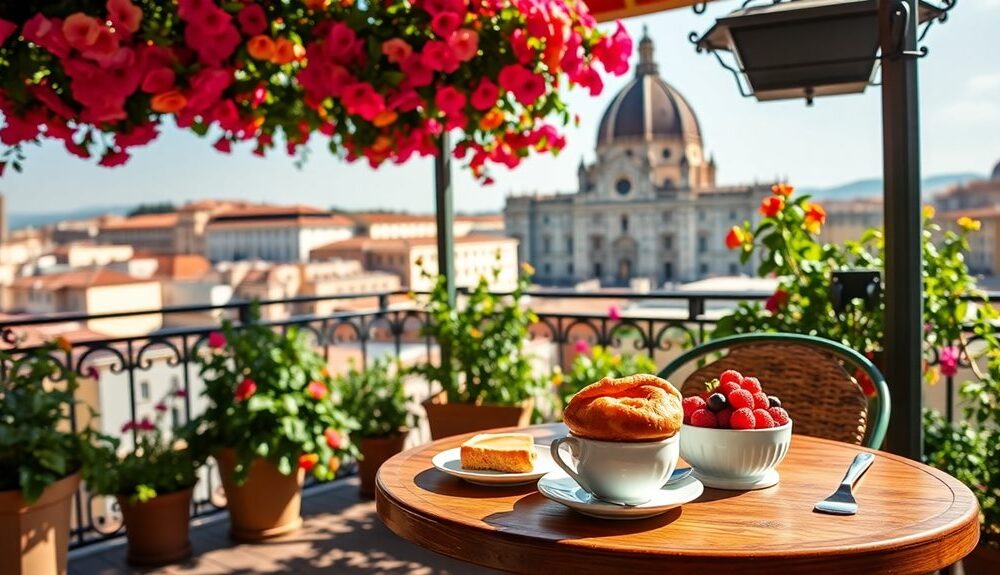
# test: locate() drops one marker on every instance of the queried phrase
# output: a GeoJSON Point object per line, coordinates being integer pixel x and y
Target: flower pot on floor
{"type": "Point", "coordinates": [267, 505]}
{"type": "Point", "coordinates": [447, 419]}
{"type": "Point", "coordinates": [984, 560]}
{"type": "Point", "coordinates": [34, 539]}
{"type": "Point", "coordinates": [374, 452]}
{"type": "Point", "coordinates": [157, 530]}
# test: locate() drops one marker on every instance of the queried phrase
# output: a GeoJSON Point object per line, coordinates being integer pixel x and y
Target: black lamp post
{"type": "Point", "coordinates": [811, 48]}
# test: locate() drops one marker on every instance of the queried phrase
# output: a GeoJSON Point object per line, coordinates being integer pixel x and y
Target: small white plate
{"type": "Point", "coordinates": [560, 488]}
{"type": "Point", "coordinates": [450, 462]}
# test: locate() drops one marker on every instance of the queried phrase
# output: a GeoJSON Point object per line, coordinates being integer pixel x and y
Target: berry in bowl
{"type": "Point", "coordinates": [734, 434]}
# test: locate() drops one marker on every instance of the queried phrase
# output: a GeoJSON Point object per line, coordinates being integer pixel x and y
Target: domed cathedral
{"type": "Point", "coordinates": [648, 207]}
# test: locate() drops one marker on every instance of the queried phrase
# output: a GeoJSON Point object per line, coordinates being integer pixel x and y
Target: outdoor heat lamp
{"type": "Point", "coordinates": [803, 48]}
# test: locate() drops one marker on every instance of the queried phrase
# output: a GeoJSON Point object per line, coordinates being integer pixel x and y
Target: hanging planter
{"type": "Point", "coordinates": [382, 80]}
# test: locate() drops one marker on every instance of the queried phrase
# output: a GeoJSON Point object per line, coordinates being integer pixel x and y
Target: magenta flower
{"type": "Point", "coordinates": [161, 407]}
{"type": "Point", "coordinates": [181, 393]}
{"type": "Point", "coordinates": [581, 346]}
{"type": "Point", "coordinates": [614, 314]}
{"type": "Point", "coordinates": [129, 426]}
{"type": "Point", "coordinates": [216, 340]}
{"type": "Point", "coordinates": [146, 424]}
{"type": "Point", "coordinates": [948, 359]}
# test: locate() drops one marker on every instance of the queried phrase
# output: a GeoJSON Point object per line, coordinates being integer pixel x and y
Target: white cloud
{"type": "Point", "coordinates": [976, 103]}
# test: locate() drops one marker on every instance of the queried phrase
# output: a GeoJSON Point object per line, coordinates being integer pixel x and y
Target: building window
{"type": "Point", "coordinates": [144, 390]}
{"type": "Point", "coordinates": [623, 187]}
{"type": "Point", "coordinates": [548, 269]}
{"type": "Point", "coordinates": [624, 224]}
{"type": "Point", "coordinates": [595, 219]}
{"type": "Point", "coordinates": [597, 269]}
{"type": "Point", "coordinates": [701, 215]}
{"type": "Point", "coordinates": [546, 244]}
{"type": "Point", "coordinates": [569, 244]}
{"type": "Point", "coordinates": [668, 271]}
{"type": "Point", "coordinates": [668, 242]}
{"type": "Point", "coordinates": [569, 269]}
{"type": "Point", "coordinates": [665, 153]}
{"type": "Point", "coordinates": [596, 243]}
{"type": "Point", "coordinates": [703, 269]}
{"type": "Point", "coordinates": [702, 244]}
{"type": "Point", "coordinates": [665, 216]}
{"type": "Point", "coordinates": [734, 269]}
{"type": "Point", "coordinates": [732, 215]}
{"type": "Point", "coordinates": [545, 219]}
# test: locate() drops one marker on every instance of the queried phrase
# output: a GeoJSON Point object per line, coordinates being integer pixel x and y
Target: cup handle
{"type": "Point", "coordinates": [557, 457]}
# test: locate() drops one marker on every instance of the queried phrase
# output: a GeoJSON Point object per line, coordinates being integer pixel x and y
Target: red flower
{"type": "Point", "coordinates": [526, 86]}
{"type": "Point", "coordinates": [444, 23]}
{"type": "Point", "coordinates": [613, 51]}
{"type": "Point", "coordinates": [519, 43]}
{"type": "Point", "coordinates": [333, 438]}
{"type": "Point", "coordinates": [782, 190]}
{"type": "Point", "coordinates": [464, 44]}
{"type": "Point", "coordinates": [362, 99]}
{"type": "Point", "coordinates": [113, 159]}
{"type": "Point", "coordinates": [124, 15]}
{"type": "Point", "coordinates": [161, 407]}
{"type": "Point", "coordinates": [223, 145]}
{"type": "Point", "coordinates": [581, 346]}
{"type": "Point", "coordinates": [736, 237]}
{"type": "Point", "coordinates": [396, 50]}
{"type": "Point", "coordinates": [777, 300]}
{"type": "Point", "coordinates": [418, 73]}
{"type": "Point", "coordinates": [138, 136]}
{"type": "Point", "coordinates": [485, 95]}
{"type": "Point", "coordinates": [47, 33]}
{"type": "Point", "coordinates": [317, 390]}
{"type": "Point", "coordinates": [614, 314]}
{"type": "Point", "coordinates": [81, 31]}
{"type": "Point", "coordinates": [307, 461]}
{"type": "Point", "coordinates": [450, 101]}
{"type": "Point", "coordinates": [146, 425]}
{"type": "Point", "coordinates": [438, 55]}
{"type": "Point", "coordinates": [772, 205]}
{"type": "Point", "coordinates": [252, 20]}
{"type": "Point", "coordinates": [216, 340]}
{"type": "Point", "coordinates": [6, 29]}
{"type": "Point", "coordinates": [245, 389]}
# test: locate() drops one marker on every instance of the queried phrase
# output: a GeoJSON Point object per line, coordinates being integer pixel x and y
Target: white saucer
{"type": "Point", "coordinates": [560, 488]}
{"type": "Point", "coordinates": [450, 462]}
{"type": "Point", "coordinates": [770, 478]}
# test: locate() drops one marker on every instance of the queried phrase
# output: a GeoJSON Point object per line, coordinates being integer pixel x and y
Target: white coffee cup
{"type": "Point", "coordinates": [619, 471]}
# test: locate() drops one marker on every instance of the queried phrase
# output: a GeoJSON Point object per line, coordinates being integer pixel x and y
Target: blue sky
{"type": "Point", "coordinates": [835, 141]}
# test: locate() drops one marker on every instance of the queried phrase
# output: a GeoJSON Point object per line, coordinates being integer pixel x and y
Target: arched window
{"type": "Point", "coordinates": [624, 224]}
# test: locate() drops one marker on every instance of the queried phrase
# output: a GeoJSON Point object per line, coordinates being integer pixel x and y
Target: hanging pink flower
{"type": "Point", "coordinates": [114, 158]}
{"type": "Point", "coordinates": [396, 50]}
{"type": "Point", "coordinates": [614, 314]}
{"type": "Point", "coordinates": [252, 20]}
{"type": "Point", "coordinates": [485, 95]}
{"type": "Point", "coordinates": [81, 31]}
{"type": "Point", "coordinates": [418, 73]}
{"type": "Point", "coordinates": [450, 101]}
{"type": "Point", "coordinates": [363, 100]}
{"type": "Point", "coordinates": [161, 407]}
{"type": "Point", "coordinates": [138, 136]}
{"type": "Point", "coordinates": [519, 43]}
{"type": "Point", "coordinates": [129, 426]}
{"type": "Point", "coordinates": [146, 425]}
{"type": "Point", "coordinates": [464, 44]}
{"type": "Point", "coordinates": [526, 86]}
{"type": "Point", "coordinates": [245, 389]}
{"type": "Point", "coordinates": [438, 55]}
{"type": "Point", "coordinates": [158, 80]}
{"type": "Point", "coordinates": [613, 51]}
{"type": "Point", "coordinates": [47, 33]}
{"type": "Point", "coordinates": [6, 29]}
{"type": "Point", "coordinates": [582, 347]}
{"type": "Point", "coordinates": [444, 23]}
{"type": "Point", "coordinates": [181, 393]}
{"type": "Point", "coordinates": [124, 15]}
{"type": "Point", "coordinates": [216, 340]}
{"type": "Point", "coordinates": [342, 43]}
{"type": "Point", "coordinates": [948, 360]}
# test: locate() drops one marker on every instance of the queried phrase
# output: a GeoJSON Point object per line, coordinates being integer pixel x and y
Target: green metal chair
{"type": "Point", "coordinates": [812, 376]}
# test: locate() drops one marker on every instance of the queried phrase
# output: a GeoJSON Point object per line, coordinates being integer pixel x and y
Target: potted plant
{"type": "Point", "coordinates": [152, 482]}
{"type": "Point", "coordinates": [594, 363]}
{"type": "Point", "coordinates": [485, 375]}
{"type": "Point", "coordinates": [271, 418]}
{"type": "Point", "coordinates": [376, 398]}
{"type": "Point", "coordinates": [970, 450]}
{"type": "Point", "coordinates": [42, 459]}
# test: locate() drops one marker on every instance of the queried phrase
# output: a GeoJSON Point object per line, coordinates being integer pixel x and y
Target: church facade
{"type": "Point", "coordinates": [648, 207]}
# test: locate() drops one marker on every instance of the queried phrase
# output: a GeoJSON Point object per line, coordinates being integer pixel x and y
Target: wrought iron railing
{"type": "Point", "coordinates": [660, 324]}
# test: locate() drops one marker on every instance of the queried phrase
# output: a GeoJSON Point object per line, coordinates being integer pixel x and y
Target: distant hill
{"type": "Point", "coordinates": [16, 221]}
{"type": "Point", "coordinates": [873, 187]}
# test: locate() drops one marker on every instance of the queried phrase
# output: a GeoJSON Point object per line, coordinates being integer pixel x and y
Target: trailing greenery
{"type": "Point", "coordinates": [376, 398]}
{"type": "Point", "coordinates": [484, 337]}
{"type": "Point", "coordinates": [153, 208]}
{"type": "Point", "coordinates": [270, 395]}
{"type": "Point", "coordinates": [158, 464]}
{"type": "Point", "coordinates": [592, 364]}
{"type": "Point", "coordinates": [37, 444]}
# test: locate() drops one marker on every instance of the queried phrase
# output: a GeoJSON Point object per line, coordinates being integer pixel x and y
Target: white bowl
{"type": "Point", "coordinates": [735, 458]}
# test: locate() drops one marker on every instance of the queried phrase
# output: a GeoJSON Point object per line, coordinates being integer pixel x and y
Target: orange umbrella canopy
{"type": "Point", "coordinates": [605, 10]}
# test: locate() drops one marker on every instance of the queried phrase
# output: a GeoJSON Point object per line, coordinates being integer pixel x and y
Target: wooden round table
{"type": "Point", "coordinates": [911, 519]}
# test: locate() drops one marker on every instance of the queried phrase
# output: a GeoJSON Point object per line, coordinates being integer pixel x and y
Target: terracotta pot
{"type": "Point", "coordinates": [374, 452]}
{"type": "Point", "coordinates": [267, 505]}
{"type": "Point", "coordinates": [447, 419]}
{"type": "Point", "coordinates": [984, 560]}
{"type": "Point", "coordinates": [157, 530]}
{"type": "Point", "coordinates": [34, 539]}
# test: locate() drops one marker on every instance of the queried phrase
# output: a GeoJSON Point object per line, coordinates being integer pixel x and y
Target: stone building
{"type": "Point", "coordinates": [648, 207]}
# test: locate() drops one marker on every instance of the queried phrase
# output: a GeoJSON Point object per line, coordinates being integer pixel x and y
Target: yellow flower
{"type": "Point", "coordinates": [968, 224]}
{"type": "Point", "coordinates": [528, 269]}
{"type": "Point", "coordinates": [557, 376]}
{"type": "Point", "coordinates": [782, 189]}
{"type": "Point", "coordinates": [815, 217]}
{"type": "Point", "coordinates": [616, 360]}
{"type": "Point", "coordinates": [933, 376]}
{"type": "Point", "coordinates": [929, 212]}
{"type": "Point", "coordinates": [474, 332]}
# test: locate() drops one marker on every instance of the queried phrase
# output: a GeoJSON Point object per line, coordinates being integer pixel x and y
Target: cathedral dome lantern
{"type": "Point", "coordinates": [648, 109]}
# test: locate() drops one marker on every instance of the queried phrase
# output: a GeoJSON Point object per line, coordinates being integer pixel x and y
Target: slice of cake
{"type": "Point", "coordinates": [507, 452]}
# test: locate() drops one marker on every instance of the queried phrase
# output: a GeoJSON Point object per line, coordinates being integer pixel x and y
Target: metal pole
{"type": "Point", "coordinates": [445, 214]}
{"type": "Point", "coordinates": [903, 267]}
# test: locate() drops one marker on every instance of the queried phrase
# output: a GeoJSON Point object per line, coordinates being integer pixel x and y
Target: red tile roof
{"type": "Point", "coordinates": [141, 222]}
{"type": "Point", "coordinates": [369, 244]}
{"type": "Point", "coordinates": [77, 279]}
{"type": "Point", "coordinates": [253, 216]}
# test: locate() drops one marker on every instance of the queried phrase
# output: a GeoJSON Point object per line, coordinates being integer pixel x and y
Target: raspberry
{"type": "Point", "coordinates": [779, 415]}
{"type": "Point", "coordinates": [692, 404]}
{"type": "Point", "coordinates": [760, 400]}
{"type": "Point", "coordinates": [742, 419]}
{"type": "Point", "coordinates": [751, 384]}
{"type": "Point", "coordinates": [723, 417]}
{"type": "Point", "coordinates": [704, 418]}
{"type": "Point", "coordinates": [728, 387]}
{"type": "Point", "coordinates": [741, 398]}
{"type": "Point", "coordinates": [731, 376]}
{"type": "Point", "coordinates": [763, 418]}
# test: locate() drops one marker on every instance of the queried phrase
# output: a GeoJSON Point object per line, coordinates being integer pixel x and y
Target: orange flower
{"type": "Point", "coordinates": [286, 51]}
{"type": "Point", "coordinates": [782, 190]}
{"type": "Point", "coordinates": [333, 464]}
{"type": "Point", "coordinates": [168, 102]}
{"type": "Point", "coordinates": [384, 118]}
{"type": "Point", "coordinates": [491, 120]}
{"type": "Point", "coordinates": [317, 390]}
{"type": "Point", "coordinates": [307, 461]}
{"type": "Point", "coordinates": [736, 237]}
{"type": "Point", "coordinates": [64, 344]}
{"type": "Point", "coordinates": [815, 217]}
{"type": "Point", "coordinates": [316, 4]}
{"type": "Point", "coordinates": [771, 205]}
{"type": "Point", "coordinates": [382, 144]}
{"type": "Point", "coordinates": [260, 47]}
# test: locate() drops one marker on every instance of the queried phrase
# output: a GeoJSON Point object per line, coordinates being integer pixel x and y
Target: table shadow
{"type": "Point", "coordinates": [441, 483]}
{"type": "Point", "coordinates": [538, 516]}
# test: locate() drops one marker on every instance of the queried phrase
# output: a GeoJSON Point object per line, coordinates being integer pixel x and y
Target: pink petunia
{"type": "Point", "coordinates": [139, 135]}
{"type": "Point", "coordinates": [519, 43]}
{"type": "Point", "coordinates": [438, 55]}
{"type": "Point", "coordinates": [6, 29]}
{"type": "Point", "coordinates": [464, 44]}
{"type": "Point", "coordinates": [396, 50]}
{"type": "Point", "coordinates": [948, 359]}
{"type": "Point", "coordinates": [223, 145]}
{"type": "Point", "coordinates": [614, 314]}
{"type": "Point", "coordinates": [417, 73]}
{"type": "Point", "coordinates": [526, 86]}
{"type": "Point", "coordinates": [46, 33]}
{"type": "Point", "coordinates": [582, 347]}
{"type": "Point", "coordinates": [252, 20]}
{"type": "Point", "coordinates": [362, 99]}
{"type": "Point", "coordinates": [158, 80]}
{"type": "Point", "coordinates": [216, 340]}
{"type": "Point", "coordinates": [444, 23]}
{"type": "Point", "coordinates": [114, 158]}
{"type": "Point", "coordinates": [485, 95]}
{"type": "Point", "coordinates": [124, 15]}
{"type": "Point", "coordinates": [613, 51]}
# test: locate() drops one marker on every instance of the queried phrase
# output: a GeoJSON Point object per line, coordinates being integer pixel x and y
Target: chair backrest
{"type": "Point", "coordinates": [814, 377]}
